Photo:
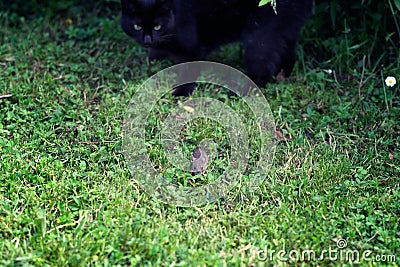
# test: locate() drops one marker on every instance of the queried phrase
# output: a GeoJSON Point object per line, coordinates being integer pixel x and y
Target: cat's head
{"type": "Point", "coordinates": [149, 22]}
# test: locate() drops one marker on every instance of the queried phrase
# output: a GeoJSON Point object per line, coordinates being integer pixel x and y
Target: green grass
{"type": "Point", "coordinates": [68, 199]}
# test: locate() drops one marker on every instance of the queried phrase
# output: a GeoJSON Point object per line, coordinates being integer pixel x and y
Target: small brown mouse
{"type": "Point", "coordinates": [199, 161]}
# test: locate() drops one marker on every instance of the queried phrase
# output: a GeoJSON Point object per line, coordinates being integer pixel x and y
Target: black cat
{"type": "Point", "coordinates": [187, 30]}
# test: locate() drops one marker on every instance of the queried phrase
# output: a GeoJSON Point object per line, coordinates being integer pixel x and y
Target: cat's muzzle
{"type": "Point", "coordinates": [147, 40]}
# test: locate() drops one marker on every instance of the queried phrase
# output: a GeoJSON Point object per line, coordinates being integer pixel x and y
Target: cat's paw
{"type": "Point", "coordinates": [184, 90]}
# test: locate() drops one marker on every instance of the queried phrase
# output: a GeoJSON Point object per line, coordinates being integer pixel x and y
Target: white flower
{"type": "Point", "coordinates": [390, 81]}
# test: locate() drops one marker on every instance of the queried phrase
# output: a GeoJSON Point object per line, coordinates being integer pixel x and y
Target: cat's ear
{"type": "Point", "coordinates": [129, 6]}
{"type": "Point", "coordinates": [166, 5]}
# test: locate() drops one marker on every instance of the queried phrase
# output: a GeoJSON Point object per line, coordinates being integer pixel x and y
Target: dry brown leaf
{"type": "Point", "coordinates": [188, 109]}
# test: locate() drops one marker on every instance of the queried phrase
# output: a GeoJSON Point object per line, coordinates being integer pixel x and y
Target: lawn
{"type": "Point", "coordinates": [67, 197]}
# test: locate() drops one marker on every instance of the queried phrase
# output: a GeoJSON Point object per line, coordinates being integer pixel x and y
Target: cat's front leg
{"type": "Point", "coordinates": [187, 76]}
{"type": "Point", "coordinates": [262, 57]}
{"type": "Point", "coordinates": [157, 54]}
{"type": "Point", "coordinates": [263, 62]}
{"type": "Point", "coordinates": [269, 42]}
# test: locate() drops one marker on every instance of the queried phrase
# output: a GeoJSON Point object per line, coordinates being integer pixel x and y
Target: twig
{"type": "Point", "coordinates": [372, 237]}
{"type": "Point", "coordinates": [362, 82]}
{"type": "Point", "coordinates": [362, 78]}
{"type": "Point", "coordinates": [96, 143]}
{"type": "Point", "coordinates": [243, 249]}
{"type": "Point", "coordinates": [384, 91]}
{"type": "Point", "coordinates": [5, 96]}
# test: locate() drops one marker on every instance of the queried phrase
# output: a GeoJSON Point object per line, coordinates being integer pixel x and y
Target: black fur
{"type": "Point", "coordinates": [188, 30]}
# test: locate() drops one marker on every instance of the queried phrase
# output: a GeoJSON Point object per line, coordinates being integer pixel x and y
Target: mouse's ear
{"type": "Point", "coordinates": [196, 153]}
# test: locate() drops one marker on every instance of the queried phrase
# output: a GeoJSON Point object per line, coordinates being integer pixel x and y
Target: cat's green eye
{"type": "Point", "coordinates": [157, 27]}
{"type": "Point", "coordinates": [137, 27]}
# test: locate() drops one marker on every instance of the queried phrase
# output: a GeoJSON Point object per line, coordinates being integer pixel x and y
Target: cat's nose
{"type": "Point", "coordinates": [147, 40]}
